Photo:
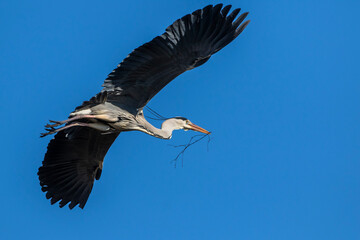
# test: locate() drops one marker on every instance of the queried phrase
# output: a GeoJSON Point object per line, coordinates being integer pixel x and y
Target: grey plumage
{"type": "Point", "coordinates": [74, 157]}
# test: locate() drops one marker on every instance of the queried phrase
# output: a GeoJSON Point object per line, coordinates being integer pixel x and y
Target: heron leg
{"type": "Point", "coordinates": [102, 117]}
{"type": "Point", "coordinates": [53, 130]}
{"type": "Point", "coordinates": [97, 126]}
{"type": "Point", "coordinates": [58, 123]}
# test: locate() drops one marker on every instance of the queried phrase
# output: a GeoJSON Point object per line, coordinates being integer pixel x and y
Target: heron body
{"type": "Point", "coordinates": [74, 157]}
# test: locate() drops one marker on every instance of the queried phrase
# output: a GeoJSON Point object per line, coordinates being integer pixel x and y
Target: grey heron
{"type": "Point", "coordinates": [74, 157]}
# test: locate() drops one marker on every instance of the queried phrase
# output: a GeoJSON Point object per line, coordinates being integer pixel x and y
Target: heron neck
{"type": "Point", "coordinates": [164, 133]}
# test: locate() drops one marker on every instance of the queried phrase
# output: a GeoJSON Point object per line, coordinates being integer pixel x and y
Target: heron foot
{"type": "Point", "coordinates": [45, 134]}
{"type": "Point", "coordinates": [55, 123]}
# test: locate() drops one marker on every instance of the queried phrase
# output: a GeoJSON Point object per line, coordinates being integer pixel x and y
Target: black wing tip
{"type": "Point", "coordinates": [55, 197]}
{"type": "Point", "coordinates": [241, 28]}
{"type": "Point", "coordinates": [63, 200]}
{"type": "Point", "coordinates": [220, 6]}
{"type": "Point", "coordinates": [212, 27]}
{"type": "Point", "coordinates": [53, 181]}
{"type": "Point", "coordinates": [223, 10]}
{"type": "Point", "coordinates": [226, 10]}
{"type": "Point", "coordinates": [235, 12]}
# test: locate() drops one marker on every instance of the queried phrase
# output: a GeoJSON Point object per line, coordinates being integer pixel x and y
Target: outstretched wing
{"type": "Point", "coordinates": [73, 160]}
{"type": "Point", "coordinates": [188, 43]}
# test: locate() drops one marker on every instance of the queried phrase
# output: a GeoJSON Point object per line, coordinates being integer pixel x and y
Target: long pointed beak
{"type": "Point", "coordinates": [198, 129]}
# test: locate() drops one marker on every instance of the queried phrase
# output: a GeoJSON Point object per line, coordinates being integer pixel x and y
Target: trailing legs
{"type": "Point", "coordinates": [50, 128]}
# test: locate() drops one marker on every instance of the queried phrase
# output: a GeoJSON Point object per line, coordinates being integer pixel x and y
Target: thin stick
{"type": "Point", "coordinates": [154, 113]}
{"type": "Point", "coordinates": [186, 146]}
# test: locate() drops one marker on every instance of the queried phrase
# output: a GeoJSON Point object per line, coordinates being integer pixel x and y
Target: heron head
{"type": "Point", "coordinates": [186, 124]}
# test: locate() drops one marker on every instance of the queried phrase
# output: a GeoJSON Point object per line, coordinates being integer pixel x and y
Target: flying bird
{"type": "Point", "coordinates": [74, 157]}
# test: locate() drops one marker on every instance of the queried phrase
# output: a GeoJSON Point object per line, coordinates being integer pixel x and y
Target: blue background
{"type": "Point", "coordinates": [282, 102]}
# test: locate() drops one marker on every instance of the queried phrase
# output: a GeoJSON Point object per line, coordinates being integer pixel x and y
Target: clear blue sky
{"type": "Point", "coordinates": [282, 102]}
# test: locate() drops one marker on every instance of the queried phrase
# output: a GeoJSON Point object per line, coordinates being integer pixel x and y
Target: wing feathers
{"type": "Point", "coordinates": [225, 10]}
{"type": "Point", "coordinates": [187, 43]}
{"type": "Point", "coordinates": [72, 162]}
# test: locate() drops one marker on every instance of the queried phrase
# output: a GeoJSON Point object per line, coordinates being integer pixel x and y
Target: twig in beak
{"type": "Point", "coordinates": [185, 146]}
